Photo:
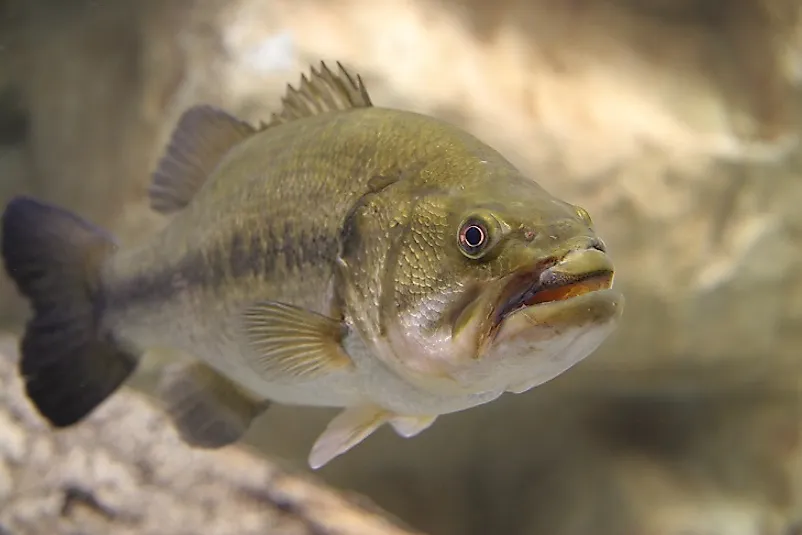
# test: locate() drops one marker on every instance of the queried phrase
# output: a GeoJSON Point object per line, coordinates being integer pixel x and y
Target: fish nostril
{"type": "Point", "coordinates": [598, 244]}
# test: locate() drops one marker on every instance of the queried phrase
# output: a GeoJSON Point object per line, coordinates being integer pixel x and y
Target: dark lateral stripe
{"type": "Point", "coordinates": [248, 254]}
{"type": "Point", "coordinates": [244, 254]}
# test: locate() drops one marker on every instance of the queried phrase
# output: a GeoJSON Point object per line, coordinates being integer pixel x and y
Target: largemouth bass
{"type": "Point", "coordinates": [341, 255]}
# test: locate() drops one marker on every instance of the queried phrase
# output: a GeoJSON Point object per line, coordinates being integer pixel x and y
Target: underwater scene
{"type": "Point", "coordinates": [431, 267]}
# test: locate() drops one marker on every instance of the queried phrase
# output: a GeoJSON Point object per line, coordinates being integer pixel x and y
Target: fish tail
{"type": "Point", "coordinates": [68, 363]}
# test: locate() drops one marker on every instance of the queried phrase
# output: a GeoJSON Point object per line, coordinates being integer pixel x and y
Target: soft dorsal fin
{"type": "Point", "coordinates": [322, 92]}
{"type": "Point", "coordinates": [204, 135]}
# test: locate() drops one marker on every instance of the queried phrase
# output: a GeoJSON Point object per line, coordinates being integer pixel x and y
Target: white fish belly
{"type": "Point", "coordinates": [213, 337]}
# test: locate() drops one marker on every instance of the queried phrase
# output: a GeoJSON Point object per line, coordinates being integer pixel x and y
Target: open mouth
{"type": "Point", "coordinates": [548, 287]}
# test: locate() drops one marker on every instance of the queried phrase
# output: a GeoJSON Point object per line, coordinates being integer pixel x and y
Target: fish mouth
{"type": "Point", "coordinates": [577, 274]}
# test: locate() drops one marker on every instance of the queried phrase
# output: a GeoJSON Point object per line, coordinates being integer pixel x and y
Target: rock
{"type": "Point", "coordinates": [124, 470]}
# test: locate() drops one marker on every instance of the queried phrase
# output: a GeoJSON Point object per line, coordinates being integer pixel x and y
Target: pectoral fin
{"type": "Point", "coordinates": [208, 410]}
{"type": "Point", "coordinates": [292, 343]}
{"type": "Point", "coordinates": [409, 426]}
{"type": "Point", "coordinates": [345, 431]}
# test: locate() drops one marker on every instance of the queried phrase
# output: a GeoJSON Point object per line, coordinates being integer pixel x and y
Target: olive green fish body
{"type": "Point", "coordinates": [291, 188]}
{"type": "Point", "coordinates": [342, 255]}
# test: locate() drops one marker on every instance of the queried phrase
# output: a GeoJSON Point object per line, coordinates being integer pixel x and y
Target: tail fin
{"type": "Point", "coordinates": [68, 364]}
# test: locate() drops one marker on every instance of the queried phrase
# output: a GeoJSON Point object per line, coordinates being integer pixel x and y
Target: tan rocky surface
{"type": "Point", "coordinates": [675, 123]}
{"type": "Point", "coordinates": [125, 471]}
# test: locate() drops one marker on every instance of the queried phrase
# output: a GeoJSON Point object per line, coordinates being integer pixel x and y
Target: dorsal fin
{"type": "Point", "coordinates": [322, 92]}
{"type": "Point", "coordinates": [204, 135]}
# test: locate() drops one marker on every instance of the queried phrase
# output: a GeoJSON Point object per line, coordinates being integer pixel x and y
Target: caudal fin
{"type": "Point", "coordinates": [68, 364]}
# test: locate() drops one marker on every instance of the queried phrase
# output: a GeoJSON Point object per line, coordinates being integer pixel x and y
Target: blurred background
{"type": "Point", "coordinates": [674, 122]}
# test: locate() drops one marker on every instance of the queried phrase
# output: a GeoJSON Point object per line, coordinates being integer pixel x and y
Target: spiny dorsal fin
{"type": "Point", "coordinates": [322, 92]}
{"type": "Point", "coordinates": [204, 135]}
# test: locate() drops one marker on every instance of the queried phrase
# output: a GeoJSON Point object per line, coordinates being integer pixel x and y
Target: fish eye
{"type": "Point", "coordinates": [474, 238]}
{"type": "Point", "coordinates": [584, 215]}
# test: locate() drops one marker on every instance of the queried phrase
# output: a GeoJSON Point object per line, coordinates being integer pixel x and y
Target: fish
{"type": "Point", "coordinates": [379, 261]}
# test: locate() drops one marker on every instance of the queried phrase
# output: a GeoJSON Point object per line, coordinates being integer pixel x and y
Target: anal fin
{"type": "Point", "coordinates": [208, 410]}
{"type": "Point", "coordinates": [346, 430]}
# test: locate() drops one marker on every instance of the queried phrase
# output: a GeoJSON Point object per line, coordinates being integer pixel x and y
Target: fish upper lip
{"type": "Point", "coordinates": [525, 288]}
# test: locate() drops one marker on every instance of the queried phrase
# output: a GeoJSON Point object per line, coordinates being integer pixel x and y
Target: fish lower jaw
{"type": "Point", "coordinates": [527, 356]}
{"type": "Point", "coordinates": [549, 289]}
{"type": "Point", "coordinates": [550, 319]}
{"type": "Point", "coordinates": [414, 393]}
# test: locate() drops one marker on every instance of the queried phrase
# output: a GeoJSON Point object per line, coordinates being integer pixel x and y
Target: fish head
{"type": "Point", "coordinates": [493, 283]}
